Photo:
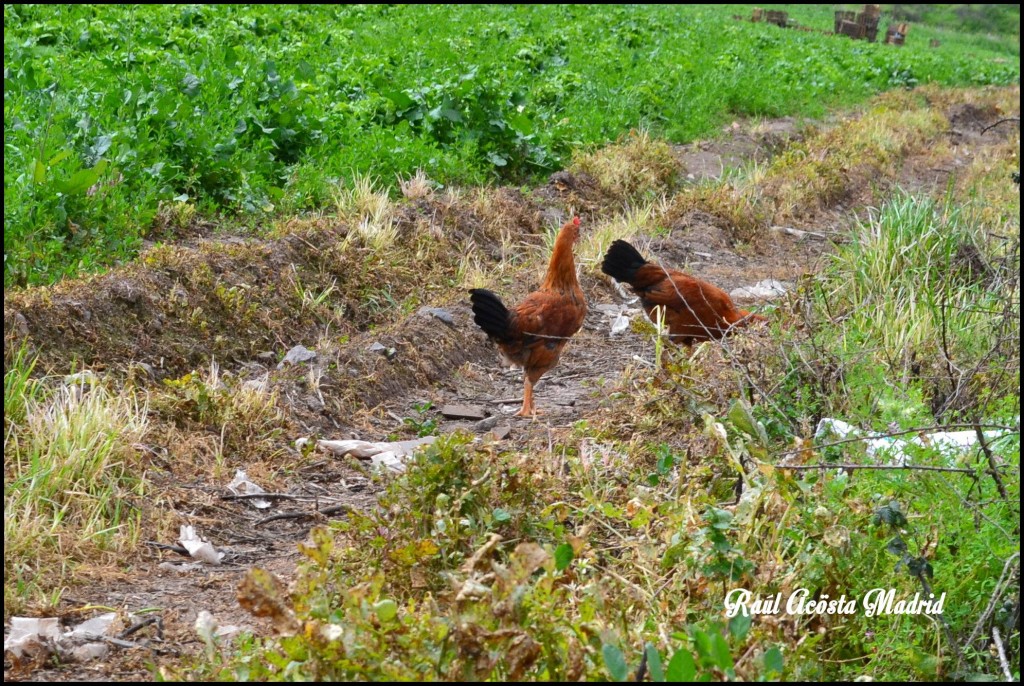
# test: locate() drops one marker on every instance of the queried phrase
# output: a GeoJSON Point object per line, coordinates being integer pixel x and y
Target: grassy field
{"type": "Point", "coordinates": [122, 123]}
{"type": "Point", "coordinates": [996, 20]}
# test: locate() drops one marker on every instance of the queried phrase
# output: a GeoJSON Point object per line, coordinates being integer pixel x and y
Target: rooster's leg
{"type": "Point", "coordinates": [528, 408]}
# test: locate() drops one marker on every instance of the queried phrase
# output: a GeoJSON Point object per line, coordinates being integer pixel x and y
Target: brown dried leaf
{"type": "Point", "coordinates": [520, 655]}
{"type": "Point", "coordinates": [482, 552]}
{"type": "Point", "coordinates": [528, 558]}
{"type": "Point", "coordinates": [263, 595]}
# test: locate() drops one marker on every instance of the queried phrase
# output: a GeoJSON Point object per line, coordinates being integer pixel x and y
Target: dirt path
{"type": "Point", "coordinates": [443, 363]}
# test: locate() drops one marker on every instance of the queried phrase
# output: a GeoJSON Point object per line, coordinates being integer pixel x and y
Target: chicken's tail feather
{"type": "Point", "coordinates": [490, 314]}
{"type": "Point", "coordinates": [622, 261]}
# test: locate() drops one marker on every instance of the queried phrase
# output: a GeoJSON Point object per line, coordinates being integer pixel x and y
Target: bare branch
{"type": "Point", "coordinates": [883, 467]}
{"type": "Point", "coordinates": [267, 496]}
{"type": "Point", "coordinates": [1001, 121]}
{"type": "Point", "coordinates": [903, 432]}
{"type": "Point", "coordinates": [1002, 654]}
{"type": "Point", "coordinates": [991, 461]}
{"type": "Point", "coordinates": [997, 594]}
{"type": "Point", "coordinates": [327, 511]}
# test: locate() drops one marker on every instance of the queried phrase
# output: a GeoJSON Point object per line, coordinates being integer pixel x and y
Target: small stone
{"type": "Point", "coordinates": [463, 412]}
{"type": "Point", "coordinates": [502, 432]}
{"type": "Point", "coordinates": [266, 356]}
{"type": "Point", "coordinates": [83, 314]}
{"type": "Point", "coordinates": [299, 353]}
{"type": "Point", "coordinates": [378, 347]}
{"type": "Point", "coordinates": [21, 324]}
{"type": "Point", "coordinates": [485, 424]}
{"type": "Point", "coordinates": [124, 291]}
{"type": "Point", "coordinates": [444, 315]}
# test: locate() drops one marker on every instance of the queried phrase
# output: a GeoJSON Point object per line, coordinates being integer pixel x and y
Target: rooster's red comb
{"type": "Point", "coordinates": [575, 221]}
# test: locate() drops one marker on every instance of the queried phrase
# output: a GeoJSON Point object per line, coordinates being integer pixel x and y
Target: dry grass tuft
{"type": "Point", "coordinates": [595, 240]}
{"type": "Point", "coordinates": [416, 187]}
{"type": "Point", "coordinates": [369, 211]}
{"type": "Point", "coordinates": [637, 166]}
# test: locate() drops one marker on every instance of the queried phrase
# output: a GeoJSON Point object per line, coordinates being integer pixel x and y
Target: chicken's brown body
{"type": "Point", "coordinates": [533, 334]}
{"type": "Point", "coordinates": [695, 310]}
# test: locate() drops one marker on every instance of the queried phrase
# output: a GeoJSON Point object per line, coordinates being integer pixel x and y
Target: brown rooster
{"type": "Point", "coordinates": [533, 334]}
{"type": "Point", "coordinates": [694, 309]}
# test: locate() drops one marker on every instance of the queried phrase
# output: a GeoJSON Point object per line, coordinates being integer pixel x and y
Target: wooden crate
{"type": "Point", "coordinates": [778, 18]}
{"type": "Point", "coordinates": [851, 29]}
{"type": "Point", "coordinates": [870, 25]}
{"type": "Point", "coordinates": [842, 16]}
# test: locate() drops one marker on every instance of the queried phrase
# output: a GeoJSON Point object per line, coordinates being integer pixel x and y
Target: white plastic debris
{"type": "Point", "coordinates": [92, 631]}
{"type": "Point", "coordinates": [621, 290]}
{"type": "Point", "coordinates": [241, 485]}
{"type": "Point", "coordinates": [949, 443]}
{"type": "Point", "coordinates": [97, 626]}
{"type": "Point", "coordinates": [228, 631]}
{"type": "Point", "coordinates": [206, 625]}
{"type": "Point", "coordinates": [86, 652]}
{"type": "Point", "coordinates": [620, 316]}
{"type": "Point", "coordinates": [43, 636]}
{"type": "Point", "coordinates": [769, 289]}
{"type": "Point", "coordinates": [199, 549]}
{"type": "Point", "coordinates": [31, 635]}
{"type": "Point", "coordinates": [332, 632]}
{"type": "Point", "coordinates": [392, 456]}
{"type": "Point", "coordinates": [621, 324]}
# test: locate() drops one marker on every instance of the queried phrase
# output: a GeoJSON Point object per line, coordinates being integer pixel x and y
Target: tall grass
{"type": "Point", "coordinates": [70, 474]}
{"type": "Point", "coordinates": [911, 276]}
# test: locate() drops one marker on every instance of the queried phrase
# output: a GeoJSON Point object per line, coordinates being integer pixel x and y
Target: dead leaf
{"type": "Point", "coordinates": [520, 655]}
{"type": "Point", "coordinates": [263, 595]}
{"type": "Point", "coordinates": [528, 558]}
{"type": "Point", "coordinates": [482, 552]}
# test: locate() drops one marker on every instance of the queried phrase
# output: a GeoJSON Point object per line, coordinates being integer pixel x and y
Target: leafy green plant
{"type": "Point", "coordinates": [421, 423]}
{"type": "Point", "coordinates": [725, 560]}
{"type": "Point", "coordinates": [664, 464]}
{"type": "Point", "coordinates": [248, 111]}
